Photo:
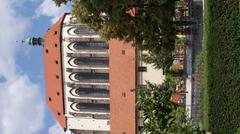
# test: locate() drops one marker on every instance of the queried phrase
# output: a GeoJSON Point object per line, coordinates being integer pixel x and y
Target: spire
{"type": "Point", "coordinates": [33, 41]}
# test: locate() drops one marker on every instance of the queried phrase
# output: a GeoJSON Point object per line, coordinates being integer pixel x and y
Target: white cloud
{"type": "Point", "coordinates": [12, 28]}
{"type": "Point", "coordinates": [49, 8]}
{"type": "Point", "coordinates": [22, 110]}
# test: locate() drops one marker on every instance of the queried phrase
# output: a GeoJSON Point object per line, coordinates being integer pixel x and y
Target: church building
{"type": "Point", "coordinates": [91, 83]}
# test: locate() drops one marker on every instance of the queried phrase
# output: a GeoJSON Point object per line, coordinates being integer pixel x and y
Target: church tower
{"type": "Point", "coordinates": [34, 41]}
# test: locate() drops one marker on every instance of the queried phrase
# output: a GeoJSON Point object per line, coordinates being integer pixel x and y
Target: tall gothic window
{"type": "Point", "coordinates": [92, 61]}
{"type": "Point", "coordinates": [92, 77]}
{"type": "Point", "coordinates": [93, 45]}
{"type": "Point", "coordinates": [84, 31]}
{"type": "Point", "coordinates": [93, 107]}
{"type": "Point", "coordinates": [92, 92]}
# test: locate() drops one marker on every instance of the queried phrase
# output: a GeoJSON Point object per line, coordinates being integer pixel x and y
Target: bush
{"type": "Point", "coordinates": [223, 65]}
{"type": "Point", "coordinates": [161, 115]}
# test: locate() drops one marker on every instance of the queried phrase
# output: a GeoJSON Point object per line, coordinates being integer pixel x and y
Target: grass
{"type": "Point", "coordinates": [221, 76]}
{"type": "Point", "coordinates": [204, 76]}
{"type": "Point", "coordinates": [202, 99]}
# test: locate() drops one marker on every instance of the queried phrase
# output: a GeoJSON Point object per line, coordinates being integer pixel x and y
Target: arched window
{"type": "Point", "coordinates": [84, 31]}
{"type": "Point", "coordinates": [89, 46]}
{"type": "Point", "coordinates": [91, 61]}
{"type": "Point", "coordinates": [93, 45]}
{"type": "Point", "coordinates": [90, 92]}
{"type": "Point", "coordinates": [92, 77]}
{"type": "Point", "coordinates": [73, 106]}
{"type": "Point", "coordinates": [73, 20]}
{"type": "Point", "coordinates": [93, 107]}
{"type": "Point", "coordinates": [81, 31]}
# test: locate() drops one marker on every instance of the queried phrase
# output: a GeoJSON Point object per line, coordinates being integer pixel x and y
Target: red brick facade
{"type": "Point", "coordinates": [122, 71]}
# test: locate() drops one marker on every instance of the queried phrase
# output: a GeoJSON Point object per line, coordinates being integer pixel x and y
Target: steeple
{"type": "Point", "coordinates": [33, 41]}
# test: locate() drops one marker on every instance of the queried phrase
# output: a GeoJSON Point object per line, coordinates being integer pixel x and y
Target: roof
{"type": "Point", "coordinates": [177, 99]}
{"type": "Point", "coordinates": [53, 71]}
{"type": "Point", "coordinates": [178, 66]}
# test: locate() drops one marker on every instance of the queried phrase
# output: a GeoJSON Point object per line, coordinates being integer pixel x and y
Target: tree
{"type": "Point", "coordinates": [148, 24]}
{"type": "Point", "coordinates": [60, 2]}
{"type": "Point", "coordinates": [161, 115]}
{"type": "Point", "coordinates": [151, 27]}
{"type": "Point", "coordinates": [181, 124]}
{"type": "Point", "coordinates": [160, 60]}
{"type": "Point", "coordinates": [238, 131]}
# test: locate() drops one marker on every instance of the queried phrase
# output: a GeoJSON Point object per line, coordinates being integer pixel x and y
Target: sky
{"type": "Point", "coordinates": [22, 84]}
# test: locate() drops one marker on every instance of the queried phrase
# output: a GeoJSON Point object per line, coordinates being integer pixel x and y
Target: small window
{"type": "Point", "coordinates": [46, 50]}
{"type": "Point", "coordinates": [123, 52]}
{"type": "Point", "coordinates": [55, 45]}
{"type": "Point", "coordinates": [123, 94]}
{"type": "Point", "coordinates": [142, 69]}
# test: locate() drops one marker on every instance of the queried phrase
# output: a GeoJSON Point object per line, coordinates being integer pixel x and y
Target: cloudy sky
{"type": "Point", "coordinates": [22, 85]}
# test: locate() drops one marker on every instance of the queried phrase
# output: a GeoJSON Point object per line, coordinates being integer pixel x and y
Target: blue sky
{"type": "Point", "coordinates": [22, 84]}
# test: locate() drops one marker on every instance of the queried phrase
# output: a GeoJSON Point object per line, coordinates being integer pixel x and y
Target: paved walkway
{"type": "Point", "coordinates": [197, 32]}
{"type": "Point", "coordinates": [193, 48]}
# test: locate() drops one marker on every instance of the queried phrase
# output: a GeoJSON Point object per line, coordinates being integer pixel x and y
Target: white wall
{"type": "Point", "coordinates": [88, 124]}
{"type": "Point", "coordinates": [152, 75]}
{"type": "Point", "coordinates": [79, 123]}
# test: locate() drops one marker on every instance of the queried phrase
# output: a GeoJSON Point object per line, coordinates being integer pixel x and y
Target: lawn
{"type": "Point", "coordinates": [221, 79]}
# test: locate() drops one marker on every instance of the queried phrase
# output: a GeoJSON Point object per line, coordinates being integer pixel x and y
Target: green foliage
{"type": "Point", "coordinates": [202, 99]}
{"type": "Point", "coordinates": [151, 28]}
{"type": "Point", "coordinates": [238, 131]}
{"type": "Point", "coordinates": [159, 60]}
{"type": "Point", "coordinates": [161, 115]}
{"type": "Point", "coordinates": [181, 123]}
{"type": "Point", "coordinates": [60, 2]}
{"type": "Point", "coordinates": [180, 41]}
{"type": "Point", "coordinates": [223, 66]}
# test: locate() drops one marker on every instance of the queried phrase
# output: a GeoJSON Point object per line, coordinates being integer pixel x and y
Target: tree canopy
{"type": "Point", "coordinates": [148, 24]}
{"type": "Point", "coordinates": [161, 115]}
{"type": "Point", "coordinates": [60, 2]}
{"type": "Point", "coordinates": [149, 27]}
